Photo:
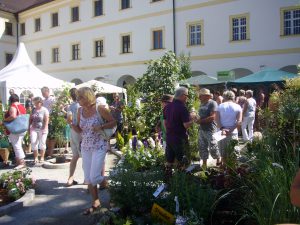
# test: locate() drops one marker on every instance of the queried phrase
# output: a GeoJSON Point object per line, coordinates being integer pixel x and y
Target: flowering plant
{"type": "Point", "coordinates": [16, 183]}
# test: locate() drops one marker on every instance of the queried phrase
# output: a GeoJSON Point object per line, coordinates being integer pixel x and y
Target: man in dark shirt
{"type": "Point", "coordinates": [177, 120]}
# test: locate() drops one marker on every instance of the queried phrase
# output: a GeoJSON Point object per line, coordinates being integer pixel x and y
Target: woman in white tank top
{"type": "Point", "coordinates": [248, 116]}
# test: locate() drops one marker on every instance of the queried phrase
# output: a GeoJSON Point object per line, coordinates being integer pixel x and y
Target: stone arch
{"type": "Point", "coordinates": [125, 79]}
{"type": "Point", "coordinates": [76, 81]}
{"type": "Point", "coordinates": [197, 73]}
{"type": "Point", "coordinates": [290, 69]}
{"type": "Point", "coordinates": [241, 72]}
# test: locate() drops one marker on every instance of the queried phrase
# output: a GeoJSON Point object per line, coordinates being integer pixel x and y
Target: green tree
{"type": "Point", "coordinates": [161, 78]}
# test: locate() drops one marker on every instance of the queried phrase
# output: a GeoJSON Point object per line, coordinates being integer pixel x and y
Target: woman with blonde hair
{"type": "Point", "coordinates": [93, 146]}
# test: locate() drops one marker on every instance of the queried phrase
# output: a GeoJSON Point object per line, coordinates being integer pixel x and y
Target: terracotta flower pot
{"type": "Point", "coordinates": [50, 146]}
{"type": "Point", "coordinates": [4, 153]}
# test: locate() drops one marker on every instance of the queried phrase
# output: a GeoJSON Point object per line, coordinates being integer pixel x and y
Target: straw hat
{"type": "Point", "coordinates": [204, 91]}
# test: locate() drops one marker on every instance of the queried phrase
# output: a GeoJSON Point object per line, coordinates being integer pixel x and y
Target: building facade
{"type": "Point", "coordinates": [113, 40]}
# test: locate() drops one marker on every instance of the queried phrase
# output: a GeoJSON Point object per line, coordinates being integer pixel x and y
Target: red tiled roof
{"type": "Point", "coordinates": [16, 6]}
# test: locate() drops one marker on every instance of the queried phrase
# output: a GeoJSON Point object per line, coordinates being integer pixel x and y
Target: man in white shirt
{"type": "Point", "coordinates": [229, 117]}
{"type": "Point", "coordinates": [48, 99]}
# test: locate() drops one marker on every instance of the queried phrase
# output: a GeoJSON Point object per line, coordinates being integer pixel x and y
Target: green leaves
{"type": "Point", "coordinates": [143, 158]}
{"type": "Point", "coordinates": [161, 78]}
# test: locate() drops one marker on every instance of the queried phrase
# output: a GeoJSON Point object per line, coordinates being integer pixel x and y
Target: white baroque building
{"type": "Point", "coordinates": [111, 40]}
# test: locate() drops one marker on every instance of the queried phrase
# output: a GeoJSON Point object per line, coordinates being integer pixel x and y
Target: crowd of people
{"type": "Point", "coordinates": [224, 115]}
{"type": "Point", "coordinates": [87, 115]}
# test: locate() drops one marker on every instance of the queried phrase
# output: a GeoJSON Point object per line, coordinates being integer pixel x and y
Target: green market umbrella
{"type": "Point", "coordinates": [266, 75]}
{"type": "Point", "coordinates": [202, 80]}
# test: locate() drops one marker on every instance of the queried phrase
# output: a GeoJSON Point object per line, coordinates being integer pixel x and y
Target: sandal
{"type": "Point", "coordinates": [74, 182]}
{"type": "Point", "coordinates": [91, 210]}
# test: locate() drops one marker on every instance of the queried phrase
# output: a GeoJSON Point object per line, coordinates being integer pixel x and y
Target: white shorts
{"type": "Point", "coordinates": [92, 163]}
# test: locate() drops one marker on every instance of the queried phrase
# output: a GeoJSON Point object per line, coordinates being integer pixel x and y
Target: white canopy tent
{"type": "Point", "coordinates": [103, 87]}
{"type": "Point", "coordinates": [24, 77]}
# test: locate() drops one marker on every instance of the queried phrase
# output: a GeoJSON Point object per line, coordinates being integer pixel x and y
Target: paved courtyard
{"type": "Point", "coordinates": [54, 203]}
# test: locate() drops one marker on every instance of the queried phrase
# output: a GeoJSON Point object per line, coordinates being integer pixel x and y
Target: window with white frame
{"type": "Point", "coordinates": [99, 48]}
{"type": "Point", "coordinates": [22, 25]}
{"type": "Point", "coordinates": [195, 33]}
{"type": "Point", "coordinates": [75, 14]}
{"type": "Point", "coordinates": [54, 19]}
{"type": "Point", "coordinates": [8, 29]}
{"type": "Point", "coordinates": [98, 7]}
{"type": "Point", "coordinates": [37, 24]}
{"type": "Point", "coordinates": [125, 4]}
{"type": "Point", "coordinates": [157, 37]}
{"type": "Point", "coordinates": [38, 57]}
{"type": "Point", "coordinates": [291, 21]}
{"type": "Point", "coordinates": [126, 45]}
{"type": "Point", "coordinates": [75, 52]}
{"type": "Point", "coordinates": [239, 27]}
{"type": "Point", "coordinates": [55, 55]}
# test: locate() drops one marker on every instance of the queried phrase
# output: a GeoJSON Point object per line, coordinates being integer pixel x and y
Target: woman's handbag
{"type": "Point", "coordinates": [19, 125]}
{"type": "Point", "coordinates": [108, 132]}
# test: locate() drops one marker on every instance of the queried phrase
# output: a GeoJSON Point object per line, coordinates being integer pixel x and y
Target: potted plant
{"type": "Point", "coordinates": [57, 120]}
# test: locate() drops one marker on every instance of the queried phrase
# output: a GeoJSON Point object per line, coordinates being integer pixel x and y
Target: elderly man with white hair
{"type": "Point", "coordinates": [248, 116]}
{"type": "Point", "coordinates": [229, 117]}
{"type": "Point", "coordinates": [177, 120]}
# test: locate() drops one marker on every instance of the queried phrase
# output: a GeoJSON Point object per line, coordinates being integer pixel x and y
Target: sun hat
{"type": "Point", "coordinates": [204, 91]}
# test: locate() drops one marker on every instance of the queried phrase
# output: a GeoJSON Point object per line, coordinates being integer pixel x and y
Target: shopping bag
{"type": "Point", "coordinates": [108, 132]}
{"type": "Point", "coordinates": [18, 125]}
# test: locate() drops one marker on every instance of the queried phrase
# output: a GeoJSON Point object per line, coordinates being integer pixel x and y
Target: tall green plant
{"type": "Point", "coordinates": [161, 78]}
{"type": "Point", "coordinates": [275, 161]}
{"type": "Point", "coordinates": [57, 119]}
{"type": "Point", "coordinates": [268, 200]}
{"type": "Point", "coordinates": [131, 111]}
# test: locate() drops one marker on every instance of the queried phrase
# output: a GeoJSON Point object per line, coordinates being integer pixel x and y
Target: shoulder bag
{"type": "Point", "coordinates": [108, 132]}
{"type": "Point", "coordinates": [19, 125]}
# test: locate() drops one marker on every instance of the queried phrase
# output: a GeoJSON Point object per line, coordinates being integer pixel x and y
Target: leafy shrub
{"type": "Point", "coordinates": [191, 196]}
{"type": "Point", "coordinates": [16, 182]}
{"type": "Point", "coordinates": [275, 161]}
{"type": "Point", "coordinates": [143, 158]}
{"type": "Point", "coordinates": [132, 190]}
